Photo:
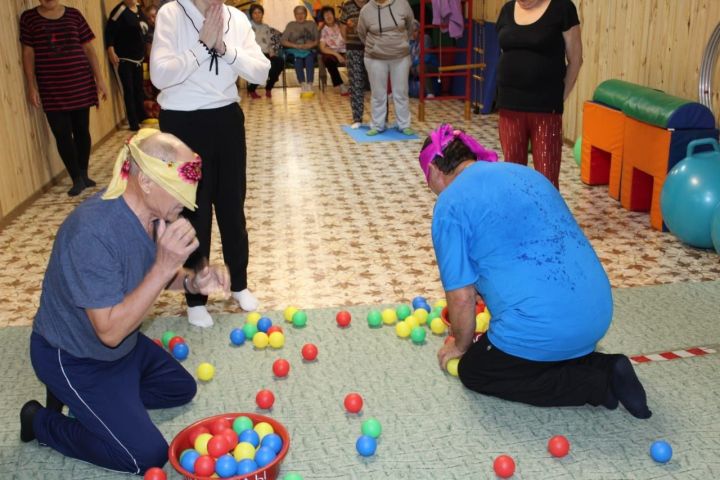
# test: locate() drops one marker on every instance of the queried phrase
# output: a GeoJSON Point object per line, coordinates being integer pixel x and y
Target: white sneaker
{"type": "Point", "coordinates": [344, 89]}
{"type": "Point", "coordinates": [356, 125]}
{"type": "Point", "coordinates": [199, 317]}
{"type": "Point", "coordinates": [246, 300]}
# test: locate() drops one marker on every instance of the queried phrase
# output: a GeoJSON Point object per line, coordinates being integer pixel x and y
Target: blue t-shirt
{"type": "Point", "coordinates": [505, 229]}
{"type": "Point", "coordinates": [101, 254]}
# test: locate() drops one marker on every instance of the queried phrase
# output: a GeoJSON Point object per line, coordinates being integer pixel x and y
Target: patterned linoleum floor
{"type": "Point", "coordinates": [333, 222]}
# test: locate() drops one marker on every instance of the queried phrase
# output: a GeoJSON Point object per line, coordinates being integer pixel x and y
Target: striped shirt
{"type": "Point", "coordinates": [62, 70]}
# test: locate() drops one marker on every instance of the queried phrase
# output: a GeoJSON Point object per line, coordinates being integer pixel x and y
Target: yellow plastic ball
{"type": "Point", "coordinates": [452, 366]}
{"type": "Point", "coordinates": [440, 304]}
{"type": "Point", "coordinates": [201, 443]}
{"type": "Point", "coordinates": [412, 321]}
{"type": "Point", "coordinates": [277, 339]}
{"type": "Point", "coordinates": [437, 326]}
{"type": "Point", "coordinates": [482, 321]}
{"type": "Point", "coordinates": [253, 318]}
{"type": "Point", "coordinates": [288, 313]}
{"type": "Point", "coordinates": [261, 340]}
{"type": "Point", "coordinates": [262, 429]}
{"type": "Point", "coordinates": [205, 372]}
{"type": "Point", "coordinates": [402, 329]}
{"type": "Point", "coordinates": [421, 314]}
{"type": "Point", "coordinates": [389, 316]}
{"type": "Point", "coordinates": [244, 450]}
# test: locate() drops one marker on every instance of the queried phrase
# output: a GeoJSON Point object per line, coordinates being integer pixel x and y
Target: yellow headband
{"type": "Point", "coordinates": [179, 180]}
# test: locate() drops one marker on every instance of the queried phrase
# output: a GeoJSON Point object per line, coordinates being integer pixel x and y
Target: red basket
{"type": "Point", "coordinates": [181, 442]}
{"type": "Point", "coordinates": [479, 307]}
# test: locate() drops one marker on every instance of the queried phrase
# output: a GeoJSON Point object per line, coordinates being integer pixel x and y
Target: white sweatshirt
{"type": "Point", "coordinates": [180, 64]}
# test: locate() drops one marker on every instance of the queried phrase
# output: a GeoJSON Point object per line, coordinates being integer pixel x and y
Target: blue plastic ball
{"type": "Point", "coordinates": [661, 451]}
{"type": "Point", "coordinates": [273, 442]}
{"type": "Point", "coordinates": [264, 324]}
{"type": "Point", "coordinates": [187, 460]}
{"type": "Point", "coordinates": [250, 436]}
{"type": "Point", "coordinates": [263, 456]}
{"type": "Point", "coordinates": [366, 445]}
{"type": "Point", "coordinates": [181, 351]}
{"type": "Point", "coordinates": [246, 466]}
{"type": "Point", "coordinates": [417, 301]}
{"type": "Point", "coordinates": [226, 466]}
{"type": "Point", "coordinates": [425, 306]}
{"type": "Point", "coordinates": [237, 336]}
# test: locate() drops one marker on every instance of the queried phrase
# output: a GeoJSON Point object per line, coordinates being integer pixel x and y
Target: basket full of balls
{"type": "Point", "coordinates": [239, 446]}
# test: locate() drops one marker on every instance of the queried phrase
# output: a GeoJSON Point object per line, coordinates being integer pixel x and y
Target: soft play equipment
{"type": "Point", "coordinates": [715, 229]}
{"type": "Point", "coordinates": [633, 136]}
{"type": "Point", "coordinates": [691, 194]}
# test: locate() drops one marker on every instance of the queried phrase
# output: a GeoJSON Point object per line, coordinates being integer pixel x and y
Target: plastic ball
{"type": "Point", "coordinates": [353, 402]}
{"type": "Point", "coordinates": [482, 321]}
{"type": "Point", "coordinates": [440, 304]}
{"type": "Point", "coordinates": [205, 372]}
{"type": "Point", "coordinates": [424, 306]}
{"type": "Point", "coordinates": [661, 451]}
{"type": "Point", "coordinates": [389, 316]}
{"type": "Point", "coordinates": [437, 326]}
{"type": "Point", "coordinates": [309, 352]}
{"type": "Point", "coordinates": [288, 313]}
{"type": "Point", "coordinates": [273, 329]}
{"type": "Point", "coordinates": [246, 465]}
{"type": "Point", "coordinates": [195, 432]}
{"type": "Point", "coordinates": [715, 229]}
{"type": "Point", "coordinates": [226, 466]}
{"type": "Point", "coordinates": [558, 446]}
{"type": "Point", "coordinates": [366, 445]}
{"type": "Point", "coordinates": [504, 466]}
{"type": "Point", "coordinates": [204, 466]}
{"type": "Point", "coordinates": [263, 429]}
{"type": "Point", "coordinates": [174, 341]}
{"type": "Point", "coordinates": [411, 321]}
{"type": "Point", "coordinates": [242, 423]}
{"type": "Point", "coordinates": [421, 315]}
{"type": "Point", "coordinates": [402, 311]}
{"type": "Point", "coordinates": [167, 336]}
{"type": "Point", "coordinates": [263, 456]}
{"type": "Point", "coordinates": [181, 351]}
{"type": "Point", "coordinates": [154, 473]}
{"type": "Point", "coordinates": [418, 301]}
{"type": "Point", "coordinates": [452, 366]}
{"type": "Point", "coordinates": [201, 443]}
{"type": "Point", "coordinates": [299, 319]}
{"type": "Point", "coordinates": [402, 330]}
{"type": "Point", "coordinates": [343, 318]}
{"type": "Point", "coordinates": [261, 340]}
{"type": "Point", "coordinates": [281, 367]}
{"type": "Point", "coordinates": [374, 318]}
{"type": "Point", "coordinates": [219, 425]}
{"type": "Point", "coordinates": [251, 437]}
{"type": "Point", "coordinates": [231, 437]}
{"type": "Point", "coordinates": [237, 336]}
{"type": "Point", "coordinates": [185, 452]}
{"type": "Point", "coordinates": [577, 151]}
{"type": "Point", "coordinates": [188, 460]}
{"type": "Point", "coordinates": [293, 476]}
{"type": "Point", "coordinates": [265, 399]}
{"type": "Point", "coordinates": [254, 318]}
{"type": "Point", "coordinates": [249, 330]}
{"type": "Point", "coordinates": [243, 451]}
{"type": "Point", "coordinates": [273, 441]}
{"type": "Point", "coordinates": [371, 427]}
{"type": "Point", "coordinates": [276, 339]}
{"type": "Point", "coordinates": [264, 324]}
{"type": "Point", "coordinates": [417, 335]}
{"type": "Point", "coordinates": [218, 446]}
{"type": "Point", "coordinates": [432, 316]}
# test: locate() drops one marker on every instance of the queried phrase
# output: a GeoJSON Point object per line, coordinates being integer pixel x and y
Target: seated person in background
{"type": "Point", "coordinates": [332, 47]}
{"type": "Point", "coordinates": [300, 39]}
{"type": "Point", "coordinates": [503, 231]}
{"type": "Point", "coordinates": [431, 64]}
{"type": "Point", "coordinates": [266, 37]}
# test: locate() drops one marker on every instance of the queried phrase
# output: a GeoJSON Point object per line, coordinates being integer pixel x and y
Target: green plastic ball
{"type": "Point", "coordinates": [372, 428]}
{"type": "Point", "coordinates": [577, 150]}
{"type": "Point", "coordinates": [167, 336]}
{"type": "Point", "coordinates": [242, 423]}
{"type": "Point", "coordinates": [249, 330]}
{"type": "Point", "coordinates": [433, 315]}
{"type": "Point", "coordinates": [374, 318]}
{"type": "Point", "coordinates": [299, 319]}
{"type": "Point", "coordinates": [403, 311]}
{"type": "Point", "coordinates": [293, 476]}
{"type": "Point", "coordinates": [417, 335]}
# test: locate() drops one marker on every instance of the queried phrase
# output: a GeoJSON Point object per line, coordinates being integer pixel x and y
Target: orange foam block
{"type": "Point", "coordinates": [602, 147]}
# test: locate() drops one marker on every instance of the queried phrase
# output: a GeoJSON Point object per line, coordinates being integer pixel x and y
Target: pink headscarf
{"type": "Point", "coordinates": [441, 137]}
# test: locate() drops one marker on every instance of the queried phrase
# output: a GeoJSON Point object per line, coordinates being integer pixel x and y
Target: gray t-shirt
{"type": "Point", "coordinates": [301, 32]}
{"type": "Point", "coordinates": [101, 254]}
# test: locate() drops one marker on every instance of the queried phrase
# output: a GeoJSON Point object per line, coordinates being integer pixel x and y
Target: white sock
{"type": "Point", "coordinates": [199, 317]}
{"type": "Point", "coordinates": [246, 300]}
{"type": "Point", "coordinates": [355, 125]}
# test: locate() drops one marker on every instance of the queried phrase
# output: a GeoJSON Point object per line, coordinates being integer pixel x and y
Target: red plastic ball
{"type": "Point", "coordinates": [204, 466]}
{"type": "Point", "coordinates": [155, 473]}
{"type": "Point", "coordinates": [192, 436]}
{"type": "Point", "coordinates": [343, 318]}
{"type": "Point", "coordinates": [353, 402]}
{"type": "Point", "coordinates": [174, 341]}
{"type": "Point", "coordinates": [158, 342]}
{"type": "Point", "coordinates": [479, 307]}
{"type": "Point", "coordinates": [281, 367]}
{"type": "Point", "coordinates": [218, 446]}
{"type": "Point", "coordinates": [265, 399]}
{"type": "Point", "coordinates": [274, 328]}
{"type": "Point", "coordinates": [558, 446]}
{"type": "Point", "coordinates": [309, 352]}
{"type": "Point", "coordinates": [231, 437]}
{"type": "Point", "coordinates": [219, 425]}
{"type": "Point", "coordinates": [504, 466]}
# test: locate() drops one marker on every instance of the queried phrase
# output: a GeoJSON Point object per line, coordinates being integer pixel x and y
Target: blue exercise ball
{"type": "Point", "coordinates": [715, 229]}
{"type": "Point", "coordinates": [691, 193]}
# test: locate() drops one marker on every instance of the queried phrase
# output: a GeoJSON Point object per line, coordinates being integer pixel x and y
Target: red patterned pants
{"type": "Point", "coordinates": [544, 130]}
